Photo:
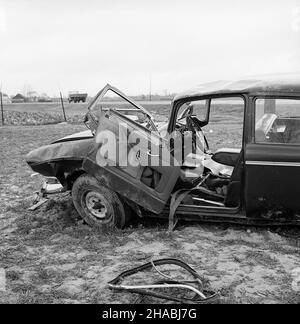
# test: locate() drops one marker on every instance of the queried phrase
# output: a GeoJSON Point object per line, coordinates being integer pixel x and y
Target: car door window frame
{"type": "Point", "coordinates": [101, 94]}
{"type": "Point", "coordinates": [178, 104]}
{"type": "Point", "coordinates": [270, 96]}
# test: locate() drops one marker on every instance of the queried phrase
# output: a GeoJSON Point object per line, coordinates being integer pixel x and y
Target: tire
{"type": "Point", "coordinates": [97, 205]}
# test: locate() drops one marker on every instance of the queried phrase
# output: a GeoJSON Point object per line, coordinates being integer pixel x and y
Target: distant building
{"type": "Point", "coordinates": [5, 98]}
{"type": "Point", "coordinates": [32, 96]}
{"type": "Point", "coordinates": [18, 98]}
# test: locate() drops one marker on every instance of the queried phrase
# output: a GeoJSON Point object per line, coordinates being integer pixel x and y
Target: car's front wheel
{"type": "Point", "coordinates": [97, 205]}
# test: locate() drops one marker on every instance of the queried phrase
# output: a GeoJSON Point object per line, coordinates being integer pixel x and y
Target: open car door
{"type": "Point", "coordinates": [129, 156]}
{"type": "Point", "coordinates": [112, 98]}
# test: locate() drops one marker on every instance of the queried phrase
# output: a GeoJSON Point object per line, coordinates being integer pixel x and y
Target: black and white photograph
{"type": "Point", "coordinates": [149, 155]}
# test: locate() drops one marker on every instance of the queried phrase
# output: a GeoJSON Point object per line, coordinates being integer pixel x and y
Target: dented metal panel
{"type": "Point", "coordinates": [126, 180]}
{"type": "Point", "coordinates": [75, 150]}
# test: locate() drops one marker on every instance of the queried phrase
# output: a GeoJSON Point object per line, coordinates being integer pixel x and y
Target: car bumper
{"type": "Point", "coordinates": [51, 186]}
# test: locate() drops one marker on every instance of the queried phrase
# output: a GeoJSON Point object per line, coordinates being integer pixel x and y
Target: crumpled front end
{"type": "Point", "coordinates": [58, 162]}
{"type": "Point", "coordinates": [44, 160]}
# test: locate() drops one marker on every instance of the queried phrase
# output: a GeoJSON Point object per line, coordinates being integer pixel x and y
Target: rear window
{"type": "Point", "coordinates": [277, 121]}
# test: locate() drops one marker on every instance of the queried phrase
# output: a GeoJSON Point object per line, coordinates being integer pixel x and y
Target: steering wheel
{"type": "Point", "coordinates": [194, 125]}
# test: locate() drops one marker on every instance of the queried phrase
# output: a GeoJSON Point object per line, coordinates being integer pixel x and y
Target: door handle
{"type": "Point", "coordinates": [153, 155]}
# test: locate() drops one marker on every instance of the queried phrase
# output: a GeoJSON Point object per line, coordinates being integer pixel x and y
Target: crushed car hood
{"type": "Point", "coordinates": [76, 137]}
{"type": "Point", "coordinates": [69, 148]}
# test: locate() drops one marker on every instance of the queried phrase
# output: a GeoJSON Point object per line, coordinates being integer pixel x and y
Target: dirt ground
{"type": "Point", "coordinates": [51, 256]}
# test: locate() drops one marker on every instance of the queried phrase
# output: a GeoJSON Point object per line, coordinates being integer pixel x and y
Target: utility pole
{"type": "Point", "coordinates": [63, 107]}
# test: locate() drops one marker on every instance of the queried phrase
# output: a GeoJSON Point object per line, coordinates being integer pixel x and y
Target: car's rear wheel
{"type": "Point", "coordinates": [97, 205]}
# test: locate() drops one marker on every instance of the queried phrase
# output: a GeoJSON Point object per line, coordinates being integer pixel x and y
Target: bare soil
{"type": "Point", "coordinates": [51, 256]}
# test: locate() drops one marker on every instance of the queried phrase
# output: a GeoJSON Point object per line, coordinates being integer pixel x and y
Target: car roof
{"type": "Point", "coordinates": [284, 83]}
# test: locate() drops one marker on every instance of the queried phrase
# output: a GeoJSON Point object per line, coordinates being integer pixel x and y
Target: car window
{"type": "Point", "coordinates": [277, 121]}
{"type": "Point", "coordinates": [223, 120]}
{"type": "Point", "coordinates": [226, 123]}
{"type": "Point", "coordinates": [112, 99]}
{"type": "Point", "coordinates": [197, 108]}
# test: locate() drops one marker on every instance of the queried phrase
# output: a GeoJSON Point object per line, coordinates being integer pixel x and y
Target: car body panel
{"type": "Point", "coordinates": [128, 180]}
{"type": "Point", "coordinates": [272, 178]}
{"type": "Point", "coordinates": [76, 149]}
{"type": "Point", "coordinates": [75, 137]}
{"type": "Point", "coordinates": [271, 171]}
{"type": "Point", "coordinates": [57, 158]}
{"type": "Point", "coordinates": [288, 84]}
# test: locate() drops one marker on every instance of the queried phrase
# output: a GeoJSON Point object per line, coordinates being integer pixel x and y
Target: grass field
{"type": "Point", "coordinates": [51, 113]}
{"type": "Point", "coordinates": [50, 256]}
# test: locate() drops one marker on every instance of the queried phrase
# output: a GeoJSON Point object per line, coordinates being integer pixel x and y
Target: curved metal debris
{"type": "Point", "coordinates": [196, 286]}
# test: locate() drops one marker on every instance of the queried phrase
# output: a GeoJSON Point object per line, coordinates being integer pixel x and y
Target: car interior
{"type": "Point", "coordinates": [214, 177]}
{"type": "Point", "coordinates": [277, 121]}
{"type": "Point", "coordinates": [273, 129]}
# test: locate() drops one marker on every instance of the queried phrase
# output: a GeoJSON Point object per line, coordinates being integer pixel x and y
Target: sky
{"type": "Point", "coordinates": [65, 45]}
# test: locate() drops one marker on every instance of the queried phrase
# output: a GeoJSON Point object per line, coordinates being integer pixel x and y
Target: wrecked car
{"type": "Point", "coordinates": [254, 182]}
